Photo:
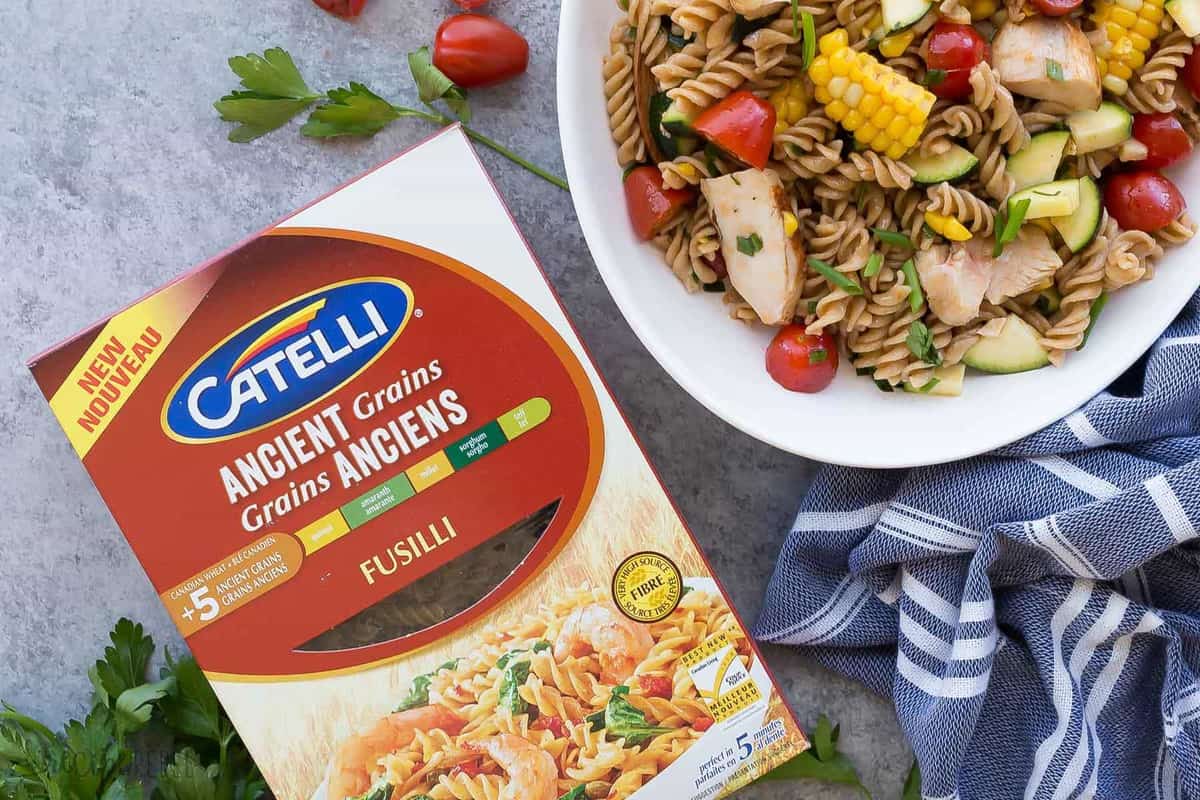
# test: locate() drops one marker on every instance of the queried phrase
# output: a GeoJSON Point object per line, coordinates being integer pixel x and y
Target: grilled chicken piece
{"type": "Point", "coordinates": [750, 205]}
{"type": "Point", "coordinates": [1027, 263]}
{"type": "Point", "coordinates": [954, 281]}
{"type": "Point", "coordinates": [1024, 54]}
{"type": "Point", "coordinates": [757, 9]}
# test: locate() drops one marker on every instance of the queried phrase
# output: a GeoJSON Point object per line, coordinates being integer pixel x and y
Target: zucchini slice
{"type": "Point", "coordinates": [1186, 14]}
{"type": "Point", "coordinates": [951, 165]}
{"type": "Point", "coordinates": [1107, 126]}
{"type": "Point", "coordinates": [949, 382]}
{"type": "Point", "coordinates": [1078, 229]}
{"type": "Point", "coordinates": [1016, 349]}
{"type": "Point", "coordinates": [1054, 199]}
{"type": "Point", "coordinates": [1038, 161]}
{"type": "Point", "coordinates": [900, 14]}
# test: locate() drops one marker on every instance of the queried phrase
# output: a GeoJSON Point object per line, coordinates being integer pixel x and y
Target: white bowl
{"type": "Point", "coordinates": [720, 362]}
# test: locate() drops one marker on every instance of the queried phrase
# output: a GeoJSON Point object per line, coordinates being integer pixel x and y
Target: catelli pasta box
{"type": "Point", "coordinates": [384, 494]}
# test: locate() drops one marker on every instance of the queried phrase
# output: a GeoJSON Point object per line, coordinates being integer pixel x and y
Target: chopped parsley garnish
{"type": "Point", "coordinates": [928, 387]}
{"type": "Point", "coordinates": [892, 238]}
{"type": "Point", "coordinates": [1054, 70]}
{"type": "Point", "coordinates": [835, 278]}
{"type": "Point", "coordinates": [920, 344]}
{"type": "Point", "coordinates": [934, 76]}
{"type": "Point", "coordinates": [916, 297]}
{"type": "Point", "coordinates": [749, 245]}
{"type": "Point", "coordinates": [817, 356]}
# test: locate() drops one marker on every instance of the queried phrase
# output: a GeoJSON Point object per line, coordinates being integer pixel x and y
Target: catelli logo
{"type": "Point", "coordinates": [287, 359]}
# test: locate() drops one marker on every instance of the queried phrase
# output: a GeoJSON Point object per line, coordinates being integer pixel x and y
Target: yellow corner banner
{"type": "Point", "coordinates": [119, 358]}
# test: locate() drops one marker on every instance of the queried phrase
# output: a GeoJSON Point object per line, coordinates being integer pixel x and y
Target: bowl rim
{"type": "Point", "coordinates": [1085, 384]}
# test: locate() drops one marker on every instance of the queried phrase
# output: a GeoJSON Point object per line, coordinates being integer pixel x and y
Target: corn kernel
{"type": "Point", "coordinates": [853, 121]}
{"type": "Point", "coordinates": [896, 44]}
{"type": "Point", "coordinates": [895, 151]}
{"type": "Point", "coordinates": [1121, 70]}
{"type": "Point", "coordinates": [1123, 17]}
{"type": "Point", "coordinates": [853, 95]}
{"type": "Point", "coordinates": [866, 133]}
{"type": "Point", "coordinates": [790, 224]}
{"type": "Point", "coordinates": [982, 9]}
{"type": "Point", "coordinates": [836, 109]}
{"type": "Point", "coordinates": [834, 41]}
{"type": "Point", "coordinates": [910, 137]}
{"type": "Point", "coordinates": [838, 86]}
{"type": "Point", "coordinates": [947, 226]}
{"type": "Point", "coordinates": [819, 71]}
{"type": "Point", "coordinates": [1114, 84]}
{"type": "Point", "coordinates": [897, 127]}
{"type": "Point", "coordinates": [840, 62]}
{"type": "Point", "coordinates": [686, 170]}
{"type": "Point", "coordinates": [870, 105]}
{"type": "Point", "coordinates": [822, 95]}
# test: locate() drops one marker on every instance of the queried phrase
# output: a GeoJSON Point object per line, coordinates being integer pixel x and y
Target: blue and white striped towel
{"type": "Point", "coordinates": [1034, 613]}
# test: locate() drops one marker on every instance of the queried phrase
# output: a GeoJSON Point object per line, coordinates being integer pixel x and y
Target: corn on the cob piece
{"type": "Point", "coordinates": [790, 101]}
{"type": "Point", "coordinates": [883, 109]}
{"type": "Point", "coordinates": [790, 224]}
{"type": "Point", "coordinates": [1125, 29]}
{"type": "Point", "coordinates": [947, 226]}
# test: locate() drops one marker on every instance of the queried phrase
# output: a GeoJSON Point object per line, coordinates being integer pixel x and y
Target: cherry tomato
{"type": "Point", "coordinates": [343, 8]}
{"type": "Point", "coordinates": [953, 50]}
{"type": "Point", "coordinates": [468, 768]}
{"type": "Point", "coordinates": [802, 362]}
{"type": "Point", "coordinates": [474, 50]}
{"type": "Point", "coordinates": [656, 686]}
{"type": "Point", "coordinates": [1057, 8]}
{"type": "Point", "coordinates": [551, 723]}
{"type": "Point", "coordinates": [1143, 200]}
{"type": "Point", "coordinates": [1163, 136]}
{"type": "Point", "coordinates": [742, 125]}
{"type": "Point", "coordinates": [470, 5]}
{"type": "Point", "coordinates": [650, 205]}
{"type": "Point", "coordinates": [702, 724]}
{"type": "Point", "coordinates": [1191, 73]}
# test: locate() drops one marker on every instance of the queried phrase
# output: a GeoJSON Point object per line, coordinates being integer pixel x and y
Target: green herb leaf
{"type": "Point", "coordinates": [916, 297]}
{"type": "Point", "coordinates": [186, 778]}
{"type": "Point", "coordinates": [920, 344]}
{"type": "Point", "coordinates": [1012, 226]}
{"type": "Point", "coordinates": [929, 385]}
{"type": "Point", "coordinates": [835, 278]}
{"type": "Point", "coordinates": [273, 93]}
{"type": "Point", "coordinates": [749, 245]}
{"type": "Point", "coordinates": [823, 762]}
{"type": "Point", "coordinates": [578, 793]}
{"type": "Point", "coordinates": [622, 720]}
{"type": "Point", "coordinates": [817, 356]}
{"type": "Point", "coordinates": [433, 85]}
{"type": "Point", "coordinates": [795, 18]}
{"type": "Point", "coordinates": [596, 721]}
{"type": "Point", "coordinates": [860, 196]}
{"type": "Point", "coordinates": [191, 708]}
{"type": "Point", "coordinates": [934, 76]}
{"type": "Point", "coordinates": [892, 238]}
{"type": "Point", "coordinates": [1054, 70]}
{"type": "Point", "coordinates": [511, 681]}
{"type": "Point", "coordinates": [352, 111]}
{"type": "Point", "coordinates": [874, 264]}
{"type": "Point", "coordinates": [135, 706]}
{"type": "Point", "coordinates": [912, 784]}
{"type": "Point", "coordinates": [1097, 306]}
{"type": "Point", "coordinates": [810, 37]}
{"type": "Point", "coordinates": [125, 660]}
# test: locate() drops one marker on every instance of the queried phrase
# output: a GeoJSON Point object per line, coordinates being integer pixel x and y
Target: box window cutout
{"type": "Point", "coordinates": [443, 593]}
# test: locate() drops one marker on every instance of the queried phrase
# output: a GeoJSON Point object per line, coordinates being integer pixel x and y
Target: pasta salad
{"type": "Point", "coordinates": [918, 187]}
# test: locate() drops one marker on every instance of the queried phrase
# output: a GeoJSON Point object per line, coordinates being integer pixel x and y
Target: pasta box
{"type": "Point", "coordinates": [384, 494]}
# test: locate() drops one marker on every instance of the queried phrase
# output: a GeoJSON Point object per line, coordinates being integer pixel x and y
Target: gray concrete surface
{"type": "Point", "coordinates": [117, 176]}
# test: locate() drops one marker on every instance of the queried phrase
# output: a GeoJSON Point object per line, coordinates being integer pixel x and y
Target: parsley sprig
{"type": "Point", "coordinates": [274, 92]}
{"type": "Point", "coordinates": [92, 758]}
